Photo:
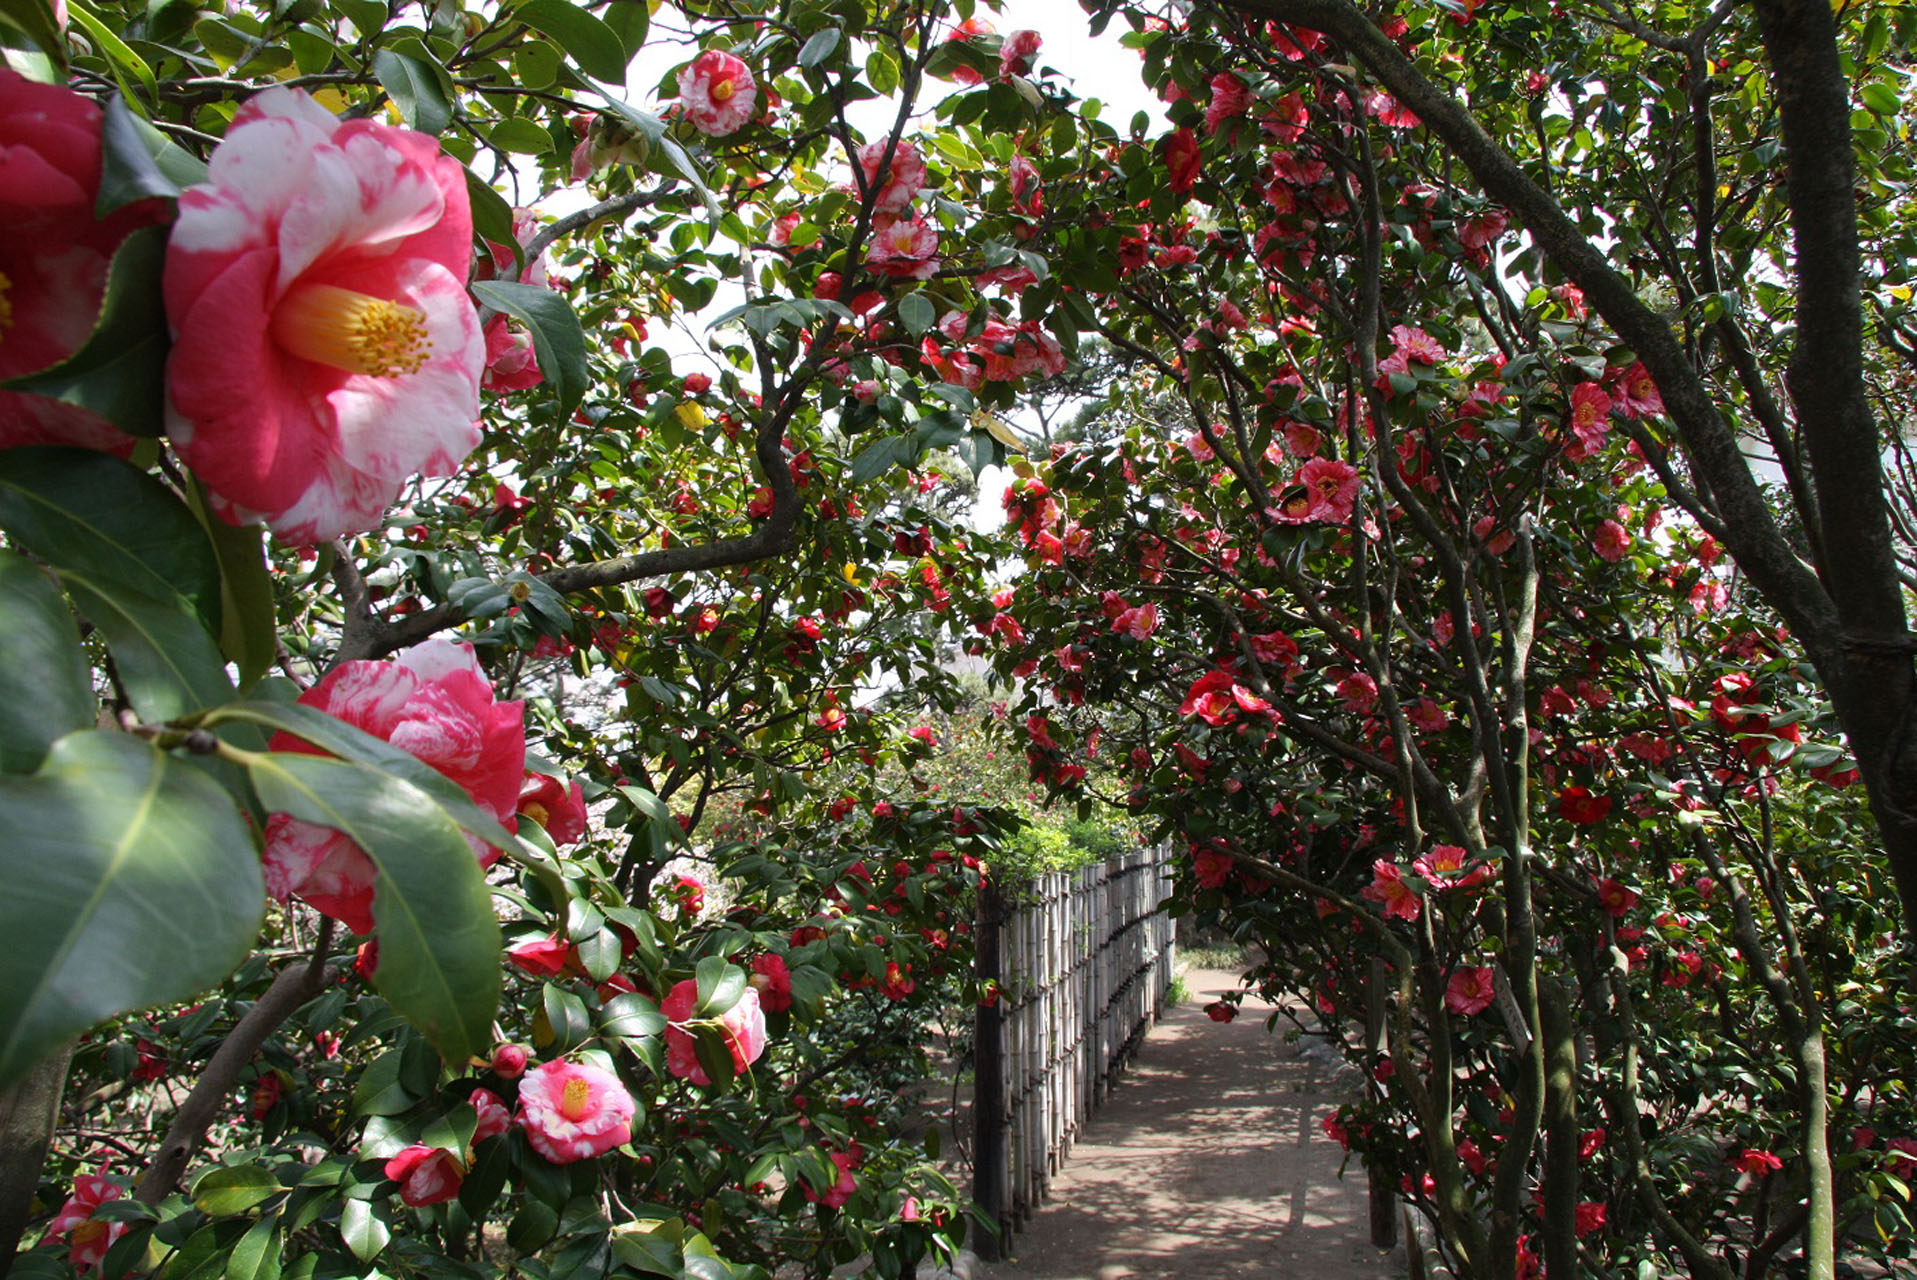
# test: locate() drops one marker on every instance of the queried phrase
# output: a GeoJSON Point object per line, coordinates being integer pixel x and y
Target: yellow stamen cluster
{"type": "Point", "coordinates": [576, 1100]}
{"type": "Point", "coordinates": [352, 331]}
{"type": "Point", "coordinates": [722, 90]}
{"type": "Point", "coordinates": [6, 307]}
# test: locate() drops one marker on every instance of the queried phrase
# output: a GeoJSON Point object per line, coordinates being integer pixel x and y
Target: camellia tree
{"type": "Point", "coordinates": [1396, 570]}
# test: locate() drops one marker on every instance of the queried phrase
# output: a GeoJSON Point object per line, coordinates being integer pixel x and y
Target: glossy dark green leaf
{"type": "Point", "coordinates": [46, 691]}
{"type": "Point", "coordinates": [113, 524]}
{"type": "Point", "coordinates": [520, 135]}
{"type": "Point", "coordinates": [557, 338]}
{"type": "Point", "coordinates": [257, 1255]}
{"type": "Point", "coordinates": [631, 1016]}
{"type": "Point", "coordinates": [138, 162]}
{"type": "Point", "coordinates": [819, 47]}
{"type": "Point", "coordinates": [249, 636]}
{"type": "Point", "coordinates": [365, 1228]}
{"type": "Point", "coordinates": [594, 47]}
{"type": "Point", "coordinates": [131, 881]}
{"type": "Point", "coordinates": [720, 985]}
{"type": "Point", "coordinates": [438, 940]}
{"type": "Point", "coordinates": [492, 216]}
{"type": "Point", "coordinates": [415, 90]}
{"type": "Point", "coordinates": [630, 21]}
{"type": "Point", "coordinates": [916, 313]}
{"type": "Point", "coordinates": [34, 19]}
{"type": "Point", "coordinates": [223, 1191]}
{"type": "Point", "coordinates": [162, 656]}
{"type": "Point", "coordinates": [118, 372]}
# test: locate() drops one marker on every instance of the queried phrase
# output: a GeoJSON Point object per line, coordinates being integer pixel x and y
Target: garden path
{"type": "Point", "coordinates": [1208, 1161]}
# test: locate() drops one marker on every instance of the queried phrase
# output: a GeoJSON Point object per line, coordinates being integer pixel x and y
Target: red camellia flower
{"type": "Point", "coordinates": [845, 1162]}
{"type": "Point", "coordinates": [88, 1238]}
{"type": "Point", "coordinates": [717, 92]}
{"type": "Point", "coordinates": [509, 1061]}
{"type": "Point", "coordinates": [1578, 806]}
{"type": "Point", "coordinates": [426, 1175]}
{"type": "Point", "coordinates": [1615, 898]}
{"type": "Point", "coordinates": [1389, 890]}
{"type": "Point", "coordinates": [743, 1026]}
{"type": "Point", "coordinates": [1471, 990]}
{"type": "Point", "coordinates": [572, 1111]}
{"type": "Point", "coordinates": [558, 807]}
{"type": "Point", "coordinates": [431, 701]}
{"type": "Point", "coordinates": [1212, 868]}
{"type": "Point", "coordinates": [1016, 53]}
{"type": "Point", "coordinates": [1181, 158]}
{"type": "Point", "coordinates": [1751, 1160]}
{"type": "Point", "coordinates": [773, 981]}
{"type": "Point", "coordinates": [54, 256]}
{"type": "Point", "coordinates": [324, 346]}
{"type": "Point", "coordinates": [1219, 1011]}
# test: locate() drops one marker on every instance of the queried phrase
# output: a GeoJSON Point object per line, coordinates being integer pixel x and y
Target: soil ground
{"type": "Point", "coordinates": [1207, 1161]}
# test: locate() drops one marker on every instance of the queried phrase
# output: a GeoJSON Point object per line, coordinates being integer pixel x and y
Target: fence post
{"type": "Point", "coordinates": [988, 1066]}
{"type": "Point", "coordinates": [1384, 1197]}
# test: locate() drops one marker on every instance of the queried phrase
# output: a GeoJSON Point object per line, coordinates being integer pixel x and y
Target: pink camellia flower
{"type": "Point", "coordinates": [509, 1061]}
{"type": "Point", "coordinates": [1634, 392]}
{"type": "Point", "coordinates": [54, 256]}
{"type": "Point", "coordinates": [1016, 54]}
{"type": "Point", "coordinates": [546, 957]}
{"type": "Point", "coordinates": [1471, 990]}
{"type": "Point", "coordinates": [1230, 99]}
{"type": "Point", "coordinates": [1590, 420]}
{"type": "Point", "coordinates": [511, 363]}
{"type": "Point", "coordinates": [431, 701]}
{"type": "Point", "coordinates": [558, 807]}
{"type": "Point", "coordinates": [845, 1162]}
{"type": "Point", "coordinates": [717, 93]}
{"type": "Point", "coordinates": [573, 1111]}
{"type": "Point", "coordinates": [1611, 541]}
{"type": "Point", "coordinates": [773, 981]}
{"type": "Point", "coordinates": [88, 1238]}
{"type": "Point", "coordinates": [743, 1026]}
{"type": "Point", "coordinates": [324, 346]}
{"type": "Point", "coordinates": [1389, 890]}
{"type": "Point", "coordinates": [1330, 492]}
{"type": "Point", "coordinates": [904, 248]}
{"type": "Point", "coordinates": [426, 1175]}
{"type": "Point", "coordinates": [494, 1118]}
{"type": "Point", "coordinates": [1022, 177]}
{"type": "Point", "coordinates": [904, 174]}
{"type": "Point", "coordinates": [964, 32]}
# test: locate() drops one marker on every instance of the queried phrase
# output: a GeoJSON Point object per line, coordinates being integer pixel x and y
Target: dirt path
{"type": "Point", "coordinates": [1207, 1161]}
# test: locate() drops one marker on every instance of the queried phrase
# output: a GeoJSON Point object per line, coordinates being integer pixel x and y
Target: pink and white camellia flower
{"type": "Point", "coordinates": [324, 346]}
{"type": "Point", "coordinates": [573, 1111]}
{"type": "Point", "coordinates": [743, 1026]}
{"type": "Point", "coordinates": [904, 174]}
{"type": "Point", "coordinates": [717, 93]}
{"type": "Point", "coordinates": [905, 248]}
{"type": "Point", "coordinates": [54, 256]}
{"type": "Point", "coordinates": [431, 701]}
{"type": "Point", "coordinates": [426, 1175]}
{"type": "Point", "coordinates": [88, 1238]}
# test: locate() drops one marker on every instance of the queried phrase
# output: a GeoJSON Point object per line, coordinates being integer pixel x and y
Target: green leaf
{"type": "Point", "coordinates": [558, 340]}
{"type": "Point", "coordinates": [819, 47]}
{"type": "Point", "coordinates": [653, 130]}
{"type": "Point", "coordinates": [631, 1017]}
{"type": "Point", "coordinates": [109, 522]}
{"type": "Point", "coordinates": [118, 373]}
{"type": "Point", "coordinates": [122, 59]}
{"type": "Point", "coordinates": [566, 1015]}
{"type": "Point", "coordinates": [882, 69]}
{"type": "Point", "coordinates": [594, 46]}
{"type": "Point", "coordinates": [916, 313]}
{"type": "Point", "coordinates": [248, 635]}
{"type": "Point", "coordinates": [532, 1226]}
{"type": "Point", "coordinates": [138, 162]}
{"type": "Point", "coordinates": [492, 216]}
{"type": "Point", "coordinates": [45, 689]}
{"type": "Point", "coordinates": [415, 90]}
{"type": "Point", "coordinates": [720, 985]}
{"type": "Point", "coordinates": [164, 658]}
{"type": "Point", "coordinates": [364, 1228]}
{"type": "Point", "coordinates": [223, 1191]}
{"type": "Point", "coordinates": [257, 1255]}
{"type": "Point", "coordinates": [520, 135]}
{"type": "Point", "coordinates": [131, 881]}
{"type": "Point", "coordinates": [379, 1090]}
{"type": "Point", "coordinates": [630, 20]}
{"type": "Point", "coordinates": [714, 1051]}
{"type": "Point", "coordinates": [34, 19]}
{"type": "Point", "coordinates": [350, 743]}
{"type": "Point", "coordinates": [1880, 98]}
{"type": "Point", "coordinates": [438, 941]}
